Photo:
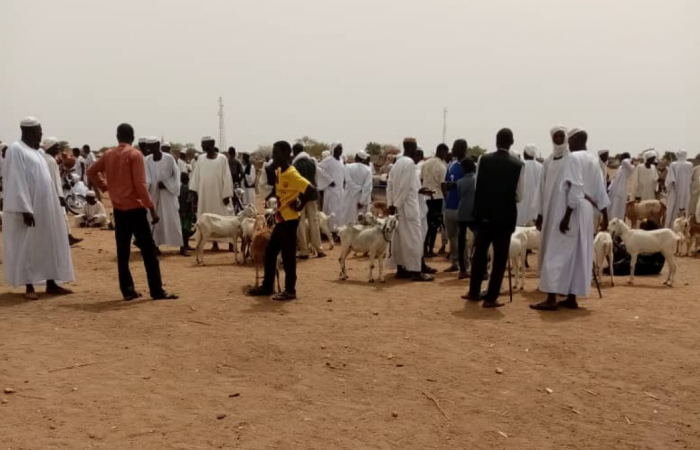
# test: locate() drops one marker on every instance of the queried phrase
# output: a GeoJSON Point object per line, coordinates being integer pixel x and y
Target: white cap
{"type": "Point", "coordinates": [575, 131]}
{"type": "Point", "coordinates": [183, 150]}
{"type": "Point", "coordinates": [530, 150]}
{"type": "Point", "coordinates": [362, 155]}
{"type": "Point", "coordinates": [49, 142]}
{"type": "Point", "coordinates": [166, 144]}
{"type": "Point", "coordinates": [90, 194]}
{"type": "Point", "coordinates": [152, 140]}
{"type": "Point", "coordinates": [29, 122]}
{"type": "Point", "coordinates": [603, 151]}
{"type": "Point", "coordinates": [207, 139]}
{"type": "Point", "coordinates": [650, 154]}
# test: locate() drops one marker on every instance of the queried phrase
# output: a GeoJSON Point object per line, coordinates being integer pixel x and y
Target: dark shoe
{"type": "Point", "coordinates": [421, 277]}
{"type": "Point", "coordinates": [73, 240]}
{"type": "Point", "coordinates": [472, 297]}
{"type": "Point", "coordinates": [463, 275]}
{"type": "Point", "coordinates": [452, 269]}
{"type": "Point", "coordinates": [132, 296]}
{"type": "Point", "coordinates": [403, 275]}
{"type": "Point", "coordinates": [492, 304]}
{"type": "Point", "coordinates": [284, 297]}
{"type": "Point", "coordinates": [568, 303]}
{"type": "Point", "coordinates": [258, 292]}
{"type": "Point", "coordinates": [545, 306]}
{"type": "Point", "coordinates": [165, 296]}
{"type": "Point", "coordinates": [321, 255]}
{"type": "Point", "coordinates": [428, 270]}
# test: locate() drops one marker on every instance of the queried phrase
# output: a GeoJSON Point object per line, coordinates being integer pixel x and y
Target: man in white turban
{"type": "Point", "coordinates": [678, 183]}
{"type": "Point", "coordinates": [646, 178]}
{"type": "Point", "coordinates": [93, 215]}
{"type": "Point", "coordinates": [358, 188]}
{"type": "Point", "coordinates": [567, 257]}
{"type": "Point", "coordinates": [532, 173]}
{"type": "Point", "coordinates": [163, 181]}
{"type": "Point", "coordinates": [618, 192]}
{"type": "Point", "coordinates": [603, 156]}
{"type": "Point", "coordinates": [35, 246]}
{"type": "Point", "coordinates": [331, 180]}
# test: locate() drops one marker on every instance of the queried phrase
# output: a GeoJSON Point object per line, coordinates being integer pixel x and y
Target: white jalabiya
{"type": "Point", "coordinates": [422, 206]}
{"type": "Point", "coordinates": [78, 167]}
{"type": "Point", "coordinates": [678, 182]}
{"type": "Point", "coordinates": [55, 173]}
{"type": "Point", "coordinates": [334, 170]}
{"type": "Point", "coordinates": [32, 255]}
{"type": "Point", "coordinates": [567, 259]}
{"type": "Point", "coordinates": [249, 185]}
{"type": "Point", "coordinates": [263, 186]}
{"type": "Point", "coordinates": [183, 166]}
{"type": "Point", "coordinates": [212, 182]}
{"type": "Point", "coordinates": [618, 192]}
{"type": "Point", "coordinates": [646, 182]}
{"type": "Point", "coordinates": [168, 230]}
{"type": "Point", "coordinates": [402, 189]}
{"type": "Point", "coordinates": [530, 176]}
{"type": "Point", "coordinates": [92, 216]}
{"type": "Point", "coordinates": [695, 192]}
{"type": "Point", "coordinates": [358, 189]}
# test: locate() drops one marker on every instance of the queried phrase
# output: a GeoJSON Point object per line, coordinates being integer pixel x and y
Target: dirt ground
{"type": "Point", "coordinates": [348, 366]}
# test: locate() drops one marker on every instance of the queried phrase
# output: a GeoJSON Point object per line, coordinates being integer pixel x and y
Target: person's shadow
{"type": "Point", "coordinates": [475, 311]}
{"type": "Point", "coordinates": [9, 299]}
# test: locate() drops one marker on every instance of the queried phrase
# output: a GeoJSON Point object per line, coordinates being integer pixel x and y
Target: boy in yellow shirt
{"type": "Point", "coordinates": [293, 191]}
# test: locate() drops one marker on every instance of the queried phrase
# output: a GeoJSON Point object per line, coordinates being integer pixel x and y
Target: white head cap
{"type": "Point", "coordinates": [530, 150]}
{"type": "Point", "coordinates": [603, 152]}
{"type": "Point", "coordinates": [152, 140]}
{"type": "Point", "coordinates": [49, 142]}
{"type": "Point", "coordinates": [650, 154]}
{"type": "Point", "coordinates": [575, 131]}
{"type": "Point", "coordinates": [90, 194]}
{"type": "Point", "coordinates": [559, 150]}
{"type": "Point", "coordinates": [166, 144]}
{"type": "Point", "coordinates": [29, 122]}
{"type": "Point", "coordinates": [183, 151]}
{"type": "Point", "coordinates": [334, 145]}
{"type": "Point", "coordinates": [207, 139]}
{"type": "Point", "coordinates": [682, 155]}
{"type": "Point", "coordinates": [362, 155]}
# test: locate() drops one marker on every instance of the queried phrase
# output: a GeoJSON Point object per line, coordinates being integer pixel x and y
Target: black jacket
{"type": "Point", "coordinates": [496, 189]}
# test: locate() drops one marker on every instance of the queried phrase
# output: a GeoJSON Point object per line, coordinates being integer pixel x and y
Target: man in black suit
{"type": "Point", "coordinates": [498, 190]}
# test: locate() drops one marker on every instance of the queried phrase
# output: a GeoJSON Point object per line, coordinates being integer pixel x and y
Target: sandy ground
{"type": "Point", "coordinates": [347, 366]}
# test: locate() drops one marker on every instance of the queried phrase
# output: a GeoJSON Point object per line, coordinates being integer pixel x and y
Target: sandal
{"type": "Point", "coordinates": [568, 303]}
{"type": "Point", "coordinates": [284, 297]}
{"type": "Point", "coordinates": [421, 277]}
{"type": "Point", "coordinates": [545, 306]}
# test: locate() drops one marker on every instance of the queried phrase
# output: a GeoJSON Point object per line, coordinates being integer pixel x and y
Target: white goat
{"type": "Point", "coordinates": [681, 226]}
{"type": "Point", "coordinates": [373, 240]}
{"type": "Point", "coordinates": [533, 239]}
{"type": "Point", "coordinates": [324, 226]}
{"type": "Point", "coordinates": [602, 251]}
{"type": "Point", "coordinates": [213, 226]}
{"type": "Point", "coordinates": [647, 242]}
{"type": "Point", "coordinates": [516, 256]}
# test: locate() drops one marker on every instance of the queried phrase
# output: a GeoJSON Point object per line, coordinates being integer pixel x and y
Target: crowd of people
{"type": "Point", "coordinates": [157, 194]}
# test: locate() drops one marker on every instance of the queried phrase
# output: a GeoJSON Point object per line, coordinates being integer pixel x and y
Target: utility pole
{"type": "Point", "coordinates": [444, 125]}
{"type": "Point", "coordinates": [222, 127]}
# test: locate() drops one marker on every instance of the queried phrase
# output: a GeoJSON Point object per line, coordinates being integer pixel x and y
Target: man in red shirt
{"type": "Point", "coordinates": [123, 169]}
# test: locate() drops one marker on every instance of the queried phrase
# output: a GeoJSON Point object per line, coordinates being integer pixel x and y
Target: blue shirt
{"type": "Point", "coordinates": [466, 187]}
{"type": "Point", "coordinates": [454, 174]}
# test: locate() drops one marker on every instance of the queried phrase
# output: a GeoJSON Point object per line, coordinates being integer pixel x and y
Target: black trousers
{"type": "Point", "coordinates": [134, 222]}
{"type": "Point", "coordinates": [487, 234]}
{"type": "Point", "coordinates": [284, 240]}
{"type": "Point", "coordinates": [434, 223]}
{"type": "Point", "coordinates": [462, 244]}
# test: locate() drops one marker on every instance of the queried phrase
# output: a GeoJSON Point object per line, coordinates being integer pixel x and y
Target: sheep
{"type": "Point", "coordinates": [647, 209]}
{"type": "Point", "coordinates": [213, 226]}
{"type": "Point", "coordinates": [366, 219]}
{"type": "Point", "coordinates": [602, 251]}
{"type": "Point", "coordinates": [682, 227]}
{"type": "Point", "coordinates": [324, 226]}
{"type": "Point", "coordinates": [647, 242]}
{"type": "Point", "coordinates": [374, 239]}
{"type": "Point", "coordinates": [533, 240]}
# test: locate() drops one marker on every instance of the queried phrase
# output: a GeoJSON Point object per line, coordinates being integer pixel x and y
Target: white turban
{"type": "Point", "coordinates": [207, 139]}
{"type": "Point", "coordinates": [335, 145]}
{"type": "Point", "coordinates": [325, 154]}
{"type": "Point", "coordinates": [559, 150]}
{"type": "Point", "coordinates": [530, 150]}
{"type": "Point", "coordinates": [650, 154]}
{"type": "Point", "coordinates": [602, 152]}
{"type": "Point", "coordinates": [362, 155]}
{"type": "Point", "coordinates": [574, 131]}
{"type": "Point", "coordinates": [29, 122]}
{"type": "Point", "coordinates": [90, 194]}
{"type": "Point", "coordinates": [682, 155]}
{"type": "Point", "coordinates": [49, 142]}
{"type": "Point", "coordinates": [152, 140]}
{"type": "Point", "coordinates": [165, 144]}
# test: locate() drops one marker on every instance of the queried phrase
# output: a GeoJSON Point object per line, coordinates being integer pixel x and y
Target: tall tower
{"type": "Point", "coordinates": [222, 127]}
{"type": "Point", "coordinates": [444, 125]}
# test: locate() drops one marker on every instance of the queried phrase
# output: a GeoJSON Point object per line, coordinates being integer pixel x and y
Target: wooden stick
{"type": "Point", "coordinates": [629, 422]}
{"type": "Point", "coordinates": [431, 398]}
{"type": "Point", "coordinates": [652, 396]}
{"type": "Point", "coordinates": [591, 392]}
{"type": "Point", "coordinates": [201, 323]}
{"type": "Point", "coordinates": [74, 366]}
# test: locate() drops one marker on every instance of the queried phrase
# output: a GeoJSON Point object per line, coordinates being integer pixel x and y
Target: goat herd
{"type": "Point", "coordinates": [372, 233]}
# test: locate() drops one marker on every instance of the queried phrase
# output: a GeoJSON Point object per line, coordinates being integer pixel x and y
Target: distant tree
{"type": "Point", "coordinates": [390, 149]}
{"type": "Point", "coordinates": [312, 146]}
{"type": "Point", "coordinates": [669, 157]}
{"type": "Point", "coordinates": [475, 152]}
{"type": "Point", "coordinates": [373, 148]}
{"type": "Point", "coordinates": [261, 152]}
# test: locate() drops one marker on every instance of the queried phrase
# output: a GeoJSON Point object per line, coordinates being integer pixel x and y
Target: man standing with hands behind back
{"type": "Point", "coordinates": [499, 187]}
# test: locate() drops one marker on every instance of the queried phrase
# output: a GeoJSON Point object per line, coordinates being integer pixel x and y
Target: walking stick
{"type": "Point", "coordinates": [595, 278]}
{"type": "Point", "coordinates": [510, 282]}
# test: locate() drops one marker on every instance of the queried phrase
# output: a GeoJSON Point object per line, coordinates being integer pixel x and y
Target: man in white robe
{"type": "Point", "coordinates": [181, 163]}
{"type": "Point", "coordinates": [618, 191]}
{"type": "Point", "coordinates": [163, 181]}
{"type": "Point", "coordinates": [646, 178]}
{"type": "Point", "coordinates": [248, 180]}
{"type": "Point", "coordinates": [93, 215]}
{"type": "Point", "coordinates": [695, 193]}
{"type": "Point", "coordinates": [212, 183]}
{"type": "Point", "coordinates": [603, 156]}
{"type": "Point", "coordinates": [35, 246]}
{"type": "Point", "coordinates": [332, 169]}
{"type": "Point", "coordinates": [358, 189]}
{"type": "Point", "coordinates": [402, 190]}
{"type": "Point", "coordinates": [567, 266]}
{"type": "Point", "coordinates": [678, 181]}
{"type": "Point", "coordinates": [531, 173]}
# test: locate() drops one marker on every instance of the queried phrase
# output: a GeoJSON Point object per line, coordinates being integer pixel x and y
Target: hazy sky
{"type": "Point", "coordinates": [355, 70]}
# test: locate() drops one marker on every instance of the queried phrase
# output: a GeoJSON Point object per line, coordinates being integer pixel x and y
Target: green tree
{"type": "Point", "coordinates": [373, 149]}
{"type": "Point", "coordinates": [312, 146]}
{"type": "Point", "coordinates": [475, 152]}
{"type": "Point", "coordinates": [261, 152]}
{"type": "Point", "coordinates": [669, 157]}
